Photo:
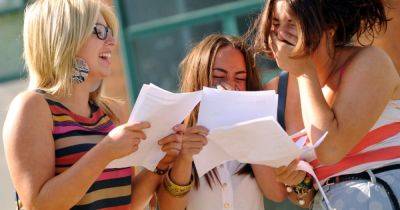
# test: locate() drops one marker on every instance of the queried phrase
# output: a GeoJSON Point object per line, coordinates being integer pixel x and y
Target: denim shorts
{"type": "Point", "coordinates": [360, 194]}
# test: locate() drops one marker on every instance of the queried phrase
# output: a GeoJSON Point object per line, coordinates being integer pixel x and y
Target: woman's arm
{"type": "Point", "coordinates": [29, 149]}
{"type": "Point", "coordinates": [193, 140]}
{"type": "Point", "coordinates": [180, 175]}
{"type": "Point", "coordinates": [368, 84]}
{"type": "Point", "coordinates": [291, 176]}
{"type": "Point", "coordinates": [146, 184]}
{"type": "Point", "coordinates": [267, 181]}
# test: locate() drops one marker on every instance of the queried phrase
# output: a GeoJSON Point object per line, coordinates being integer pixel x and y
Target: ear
{"type": "Point", "coordinates": [331, 33]}
{"type": "Point", "coordinates": [326, 44]}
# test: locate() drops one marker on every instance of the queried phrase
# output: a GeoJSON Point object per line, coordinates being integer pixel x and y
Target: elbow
{"type": "Point", "coordinates": [278, 196]}
{"type": "Point", "coordinates": [35, 205]}
{"type": "Point", "coordinates": [32, 204]}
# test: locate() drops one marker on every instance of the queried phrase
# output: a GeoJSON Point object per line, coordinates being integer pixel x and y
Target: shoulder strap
{"type": "Point", "coordinates": [282, 92]}
{"type": "Point", "coordinates": [18, 202]}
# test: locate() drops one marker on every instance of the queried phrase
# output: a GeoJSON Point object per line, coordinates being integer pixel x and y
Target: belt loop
{"type": "Point", "coordinates": [372, 176]}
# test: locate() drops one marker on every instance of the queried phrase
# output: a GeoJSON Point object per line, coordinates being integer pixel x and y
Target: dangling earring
{"type": "Point", "coordinates": [81, 71]}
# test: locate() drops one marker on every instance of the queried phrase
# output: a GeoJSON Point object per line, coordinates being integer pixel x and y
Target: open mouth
{"type": "Point", "coordinates": [287, 42]}
{"type": "Point", "coordinates": [106, 57]}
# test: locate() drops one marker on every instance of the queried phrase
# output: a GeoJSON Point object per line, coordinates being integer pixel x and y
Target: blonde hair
{"type": "Point", "coordinates": [54, 31]}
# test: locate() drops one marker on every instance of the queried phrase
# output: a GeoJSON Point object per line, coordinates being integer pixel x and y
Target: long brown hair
{"type": "Point", "coordinates": [196, 73]}
{"type": "Point", "coordinates": [348, 19]}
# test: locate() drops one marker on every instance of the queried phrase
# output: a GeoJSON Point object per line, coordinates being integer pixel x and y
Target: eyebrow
{"type": "Point", "coordinates": [106, 25]}
{"type": "Point", "coordinates": [225, 71]}
{"type": "Point", "coordinates": [277, 20]}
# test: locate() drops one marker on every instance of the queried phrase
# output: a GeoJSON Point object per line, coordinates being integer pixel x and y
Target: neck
{"type": "Point", "coordinates": [80, 95]}
{"type": "Point", "coordinates": [326, 65]}
{"type": "Point", "coordinates": [78, 101]}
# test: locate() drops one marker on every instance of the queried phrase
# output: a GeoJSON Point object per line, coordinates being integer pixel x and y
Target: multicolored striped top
{"type": "Point", "coordinates": [74, 135]}
{"type": "Point", "coordinates": [378, 148]}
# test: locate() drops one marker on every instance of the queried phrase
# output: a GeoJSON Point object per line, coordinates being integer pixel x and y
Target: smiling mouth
{"type": "Point", "coordinates": [286, 42]}
{"type": "Point", "coordinates": [105, 56]}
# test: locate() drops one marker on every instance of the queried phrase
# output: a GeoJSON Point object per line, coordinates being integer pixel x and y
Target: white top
{"type": "Point", "coordinates": [238, 192]}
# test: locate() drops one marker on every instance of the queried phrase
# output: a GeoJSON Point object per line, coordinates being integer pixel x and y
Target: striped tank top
{"type": "Point", "coordinates": [74, 135]}
{"type": "Point", "coordinates": [379, 147]}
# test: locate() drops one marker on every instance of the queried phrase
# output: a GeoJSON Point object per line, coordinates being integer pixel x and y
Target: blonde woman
{"type": "Point", "coordinates": [60, 135]}
{"type": "Point", "coordinates": [221, 60]}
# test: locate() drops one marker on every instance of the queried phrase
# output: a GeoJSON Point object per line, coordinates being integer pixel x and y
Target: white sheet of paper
{"type": "Point", "coordinates": [224, 107]}
{"type": "Point", "coordinates": [163, 110]}
{"type": "Point", "coordinates": [221, 108]}
{"type": "Point", "coordinates": [259, 141]}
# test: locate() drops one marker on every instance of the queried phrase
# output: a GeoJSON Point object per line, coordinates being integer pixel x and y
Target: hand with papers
{"type": "Point", "coordinates": [163, 110]}
{"type": "Point", "coordinates": [124, 139]}
{"type": "Point", "coordinates": [171, 145]}
{"type": "Point", "coordinates": [185, 143]}
{"type": "Point", "coordinates": [193, 140]}
{"type": "Point", "coordinates": [242, 127]}
{"type": "Point", "coordinates": [223, 61]}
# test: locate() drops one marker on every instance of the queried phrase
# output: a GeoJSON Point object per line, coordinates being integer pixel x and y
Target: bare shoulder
{"type": "Point", "coordinates": [28, 142]}
{"type": "Point", "coordinates": [374, 63]}
{"type": "Point", "coordinates": [371, 66]}
{"type": "Point", "coordinates": [30, 105]}
{"type": "Point", "coordinates": [28, 115]}
{"type": "Point", "coordinates": [272, 84]}
{"type": "Point", "coordinates": [373, 59]}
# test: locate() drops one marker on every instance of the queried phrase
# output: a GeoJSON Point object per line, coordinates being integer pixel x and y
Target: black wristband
{"type": "Point", "coordinates": [160, 171]}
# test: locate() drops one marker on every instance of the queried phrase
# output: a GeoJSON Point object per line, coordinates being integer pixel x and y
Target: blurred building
{"type": "Point", "coordinates": [157, 38]}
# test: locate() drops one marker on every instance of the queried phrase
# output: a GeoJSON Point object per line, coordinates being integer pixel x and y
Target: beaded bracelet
{"type": "Point", "coordinates": [174, 189]}
{"type": "Point", "coordinates": [302, 189]}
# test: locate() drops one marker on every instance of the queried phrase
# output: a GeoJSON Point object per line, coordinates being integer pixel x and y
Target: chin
{"type": "Point", "coordinates": [95, 85]}
{"type": "Point", "coordinates": [103, 73]}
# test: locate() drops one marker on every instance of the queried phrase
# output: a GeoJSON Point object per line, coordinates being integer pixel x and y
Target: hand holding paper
{"type": "Point", "coordinates": [260, 141]}
{"type": "Point", "coordinates": [243, 127]}
{"type": "Point", "coordinates": [163, 110]}
{"type": "Point", "coordinates": [224, 108]}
